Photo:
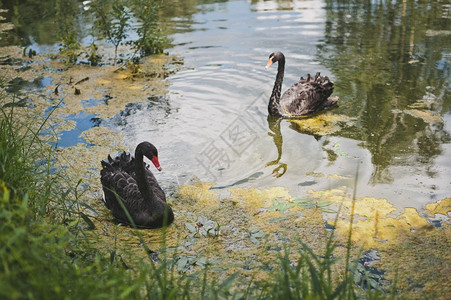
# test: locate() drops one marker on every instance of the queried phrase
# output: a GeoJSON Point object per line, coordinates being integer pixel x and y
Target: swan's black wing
{"type": "Point", "coordinates": [126, 164]}
{"type": "Point", "coordinates": [153, 183]}
{"type": "Point", "coordinates": [308, 96]}
{"type": "Point", "coordinates": [118, 183]}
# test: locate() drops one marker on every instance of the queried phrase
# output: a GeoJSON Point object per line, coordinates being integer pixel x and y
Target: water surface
{"type": "Point", "coordinates": [392, 73]}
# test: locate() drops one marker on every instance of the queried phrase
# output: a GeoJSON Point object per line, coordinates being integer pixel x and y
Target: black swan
{"type": "Point", "coordinates": [129, 179]}
{"type": "Point", "coordinates": [306, 97]}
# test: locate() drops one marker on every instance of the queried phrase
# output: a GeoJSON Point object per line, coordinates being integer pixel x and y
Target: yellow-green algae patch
{"type": "Point", "coordinates": [116, 87]}
{"type": "Point", "coordinates": [413, 253]}
{"type": "Point", "coordinates": [73, 85]}
{"type": "Point", "coordinates": [102, 136]}
{"type": "Point", "coordinates": [442, 207]}
{"type": "Point", "coordinates": [375, 224]}
{"type": "Point", "coordinates": [426, 115]}
{"type": "Point", "coordinates": [201, 193]}
{"type": "Point", "coordinates": [232, 249]}
{"type": "Point", "coordinates": [324, 124]}
{"type": "Point", "coordinates": [240, 216]}
{"type": "Point", "coordinates": [420, 263]}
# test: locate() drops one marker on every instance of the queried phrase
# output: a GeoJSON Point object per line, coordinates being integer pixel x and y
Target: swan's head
{"type": "Point", "coordinates": [274, 57]}
{"type": "Point", "coordinates": [151, 152]}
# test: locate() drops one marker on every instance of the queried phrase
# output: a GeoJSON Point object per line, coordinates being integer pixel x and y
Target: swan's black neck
{"type": "Point", "coordinates": [141, 180]}
{"type": "Point", "coordinates": [274, 100]}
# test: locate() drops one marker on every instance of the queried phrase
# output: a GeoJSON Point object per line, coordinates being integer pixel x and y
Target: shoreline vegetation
{"type": "Point", "coordinates": [58, 241]}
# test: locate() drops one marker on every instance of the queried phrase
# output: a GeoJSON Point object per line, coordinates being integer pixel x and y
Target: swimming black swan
{"type": "Point", "coordinates": [131, 180]}
{"type": "Point", "coordinates": [307, 96]}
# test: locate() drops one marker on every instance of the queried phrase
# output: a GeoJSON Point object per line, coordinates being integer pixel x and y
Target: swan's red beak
{"type": "Point", "coordinates": [269, 63]}
{"type": "Point", "coordinates": [156, 163]}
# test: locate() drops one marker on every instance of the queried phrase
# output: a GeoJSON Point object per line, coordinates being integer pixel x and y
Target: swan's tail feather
{"type": "Point", "coordinates": [105, 165]}
{"type": "Point", "coordinates": [317, 76]}
{"type": "Point", "coordinates": [330, 102]}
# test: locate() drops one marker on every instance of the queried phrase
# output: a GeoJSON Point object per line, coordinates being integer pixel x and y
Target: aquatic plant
{"type": "Point", "coordinates": [70, 48]}
{"type": "Point", "coordinates": [92, 54]}
{"type": "Point", "coordinates": [151, 38]}
{"type": "Point", "coordinates": [112, 21]}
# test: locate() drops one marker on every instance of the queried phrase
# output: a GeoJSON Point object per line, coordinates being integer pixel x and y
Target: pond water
{"type": "Point", "coordinates": [390, 61]}
{"type": "Point", "coordinates": [391, 70]}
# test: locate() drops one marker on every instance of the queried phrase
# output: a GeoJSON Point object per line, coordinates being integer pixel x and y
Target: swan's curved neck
{"type": "Point", "coordinates": [141, 180]}
{"type": "Point", "coordinates": [274, 100]}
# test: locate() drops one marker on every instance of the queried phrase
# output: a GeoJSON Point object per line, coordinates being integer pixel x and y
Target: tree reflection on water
{"type": "Point", "coordinates": [391, 64]}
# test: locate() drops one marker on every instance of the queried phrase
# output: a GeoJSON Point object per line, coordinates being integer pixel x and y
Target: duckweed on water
{"type": "Point", "coordinates": [324, 124]}
{"type": "Point", "coordinates": [413, 252]}
{"type": "Point", "coordinates": [375, 225]}
{"type": "Point", "coordinates": [442, 207]}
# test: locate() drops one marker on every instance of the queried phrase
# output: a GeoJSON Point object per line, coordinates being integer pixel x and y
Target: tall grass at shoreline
{"type": "Point", "coordinates": [45, 255]}
{"type": "Point", "coordinates": [41, 256]}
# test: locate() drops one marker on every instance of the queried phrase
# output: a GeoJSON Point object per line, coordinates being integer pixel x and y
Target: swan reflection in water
{"type": "Point", "coordinates": [274, 127]}
{"type": "Point", "coordinates": [275, 132]}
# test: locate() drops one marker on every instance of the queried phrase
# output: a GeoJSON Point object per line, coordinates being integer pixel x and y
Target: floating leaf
{"type": "Point", "coordinates": [328, 210]}
{"type": "Point", "coordinates": [282, 207]}
{"type": "Point", "coordinates": [182, 263]}
{"type": "Point", "coordinates": [255, 241]}
{"type": "Point", "coordinates": [202, 261]}
{"type": "Point", "coordinates": [173, 249]}
{"type": "Point", "coordinates": [218, 269]}
{"type": "Point", "coordinates": [260, 235]}
{"type": "Point", "coordinates": [323, 203]}
{"type": "Point", "coordinates": [274, 220]}
{"type": "Point", "coordinates": [190, 227]}
{"type": "Point", "coordinates": [216, 261]}
{"type": "Point", "coordinates": [303, 201]}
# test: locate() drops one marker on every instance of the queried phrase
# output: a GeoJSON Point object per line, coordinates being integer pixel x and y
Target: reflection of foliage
{"type": "Point", "coordinates": [41, 22]}
{"type": "Point", "coordinates": [68, 31]}
{"type": "Point", "coordinates": [383, 62]}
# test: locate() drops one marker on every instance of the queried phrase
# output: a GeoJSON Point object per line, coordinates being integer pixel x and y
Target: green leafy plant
{"type": "Point", "coordinates": [92, 55]}
{"type": "Point", "coordinates": [112, 20]}
{"type": "Point", "coordinates": [305, 203]}
{"type": "Point", "coordinates": [255, 236]}
{"type": "Point", "coordinates": [204, 227]}
{"type": "Point", "coordinates": [151, 38]}
{"type": "Point", "coordinates": [70, 48]}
